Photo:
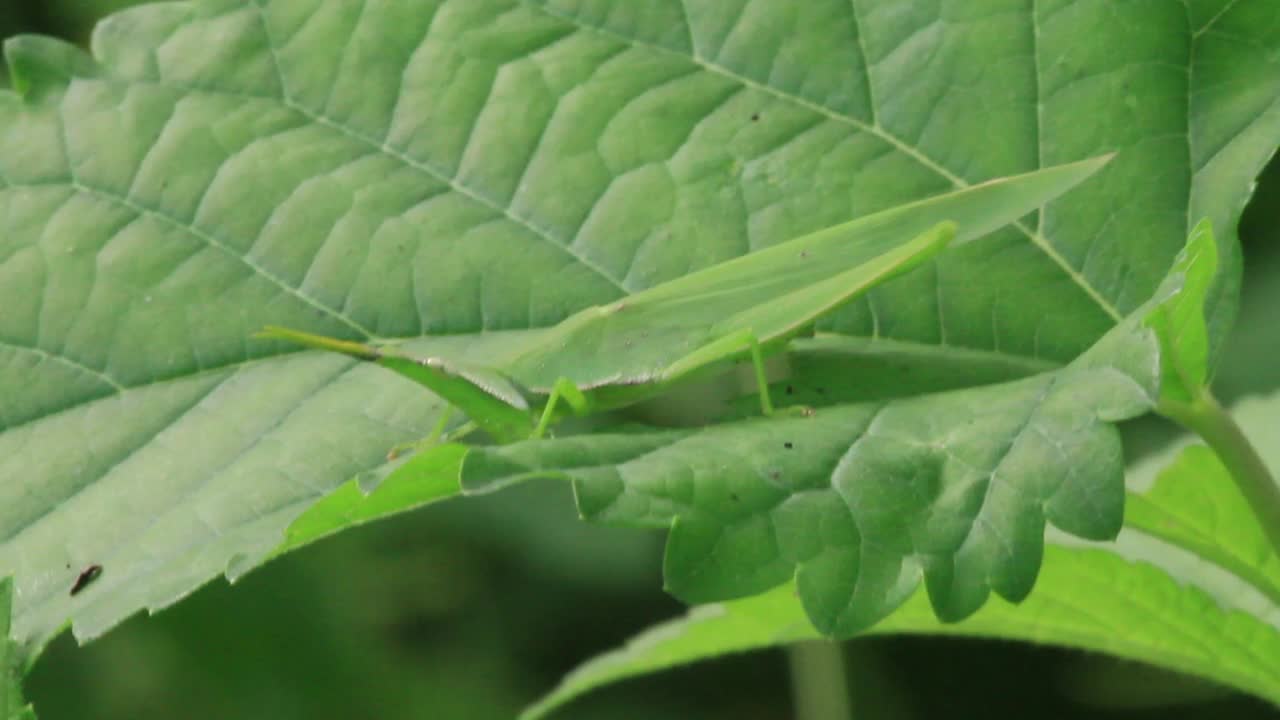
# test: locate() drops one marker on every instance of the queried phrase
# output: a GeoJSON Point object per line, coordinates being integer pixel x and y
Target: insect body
{"type": "Point", "coordinates": [85, 578]}
{"type": "Point", "coordinates": [608, 357]}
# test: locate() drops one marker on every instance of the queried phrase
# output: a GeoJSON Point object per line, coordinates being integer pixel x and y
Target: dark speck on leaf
{"type": "Point", "coordinates": [774, 474]}
{"type": "Point", "coordinates": [790, 390]}
{"type": "Point", "coordinates": [804, 253]}
{"type": "Point", "coordinates": [86, 576]}
{"type": "Point", "coordinates": [787, 445]}
{"type": "Point", "coordinates": [821, 391]}
{"type": "Point", "coordinates": [755, 117]}
{"type": "Point", "coordinates": [734, 497]}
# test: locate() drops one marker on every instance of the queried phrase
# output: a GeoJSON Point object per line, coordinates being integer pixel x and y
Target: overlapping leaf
{"type": "Point", "coordinates": [1191, 584]}
{"type": "Point", "coordinates": [473, 167]}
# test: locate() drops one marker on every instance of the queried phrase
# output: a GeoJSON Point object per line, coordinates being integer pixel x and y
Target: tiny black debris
{"type": "Point", "coordinates": [86, 576]}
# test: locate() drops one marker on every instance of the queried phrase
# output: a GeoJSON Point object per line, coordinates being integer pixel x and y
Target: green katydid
{"type": "Point", "coordinates": [611, 356]}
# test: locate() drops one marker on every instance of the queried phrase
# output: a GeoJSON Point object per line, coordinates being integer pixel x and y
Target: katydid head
{"type": "Point", "coordinates": [491, 399]}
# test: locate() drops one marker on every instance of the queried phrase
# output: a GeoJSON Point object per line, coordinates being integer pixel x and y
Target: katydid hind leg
{"type": "Point", "coordinates": [767, 407]}
{"type": "Point", "coordinates": [762, 382]}
{"type": "Point", "coordinates": [460, 432]}
{"type": "Point", "coordinates": [427, 443]}
{"type": "Point", "coordinates": [440, 425]}
{"type": "Point", "coordinates": [436, 435]}
{"type": "Point", "coordinates": [723, 348]}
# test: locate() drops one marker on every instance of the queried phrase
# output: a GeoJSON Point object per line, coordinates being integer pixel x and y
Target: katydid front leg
{"type": "Point", "coordinates": [566, 390]}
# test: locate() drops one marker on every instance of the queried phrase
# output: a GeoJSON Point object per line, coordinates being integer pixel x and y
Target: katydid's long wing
{"type": "Point", "coordinates": [772, 292]}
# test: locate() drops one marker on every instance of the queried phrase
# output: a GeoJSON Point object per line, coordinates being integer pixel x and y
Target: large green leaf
{"type": "Point", "coordinates": [1088, 598]}
{"type": "Point", "coordinates": [474, 168]}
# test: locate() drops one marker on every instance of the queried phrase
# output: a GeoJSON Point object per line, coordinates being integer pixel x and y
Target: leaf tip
{"type": "Point", "coordinates": [37, 62]}
{"type": "Point", "coordinates": [1096, 163]}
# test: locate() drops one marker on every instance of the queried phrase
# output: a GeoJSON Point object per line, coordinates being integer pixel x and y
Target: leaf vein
{"type": "Point", "coordinates": [69, 362]}
{"type": "Point", "coordinates": [63, 503]}
{"type": "Point", "coordinates": [1036, 237]}
{"type": "Point", "coordinates": [419, 165]}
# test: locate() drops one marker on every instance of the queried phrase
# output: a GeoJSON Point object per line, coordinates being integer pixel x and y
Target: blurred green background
{"type": "Point", "coordinates": [473, 608]}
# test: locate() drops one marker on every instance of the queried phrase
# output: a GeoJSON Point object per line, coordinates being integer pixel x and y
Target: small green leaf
{"type": "Point", "coordinates": [1187, 497]}
{"type": "Point", "coordinates": [12, 706]}
{"type": "Point", "coordinates": [37, 63]}
{"type": "Point", "coordinates": [415, 481]}
{"type": "Point", "coordinates": [10, 682]}
{"type": "Point", "coordinates": [1180, 321]}
{"type": "Point", "coordinates": [1184, 394]}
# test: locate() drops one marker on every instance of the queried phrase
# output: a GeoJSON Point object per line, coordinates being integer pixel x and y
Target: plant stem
{"type": "Point", "coordinates": [819, 688]}
{"type": "Point", "coordinates": [1204, 416]}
